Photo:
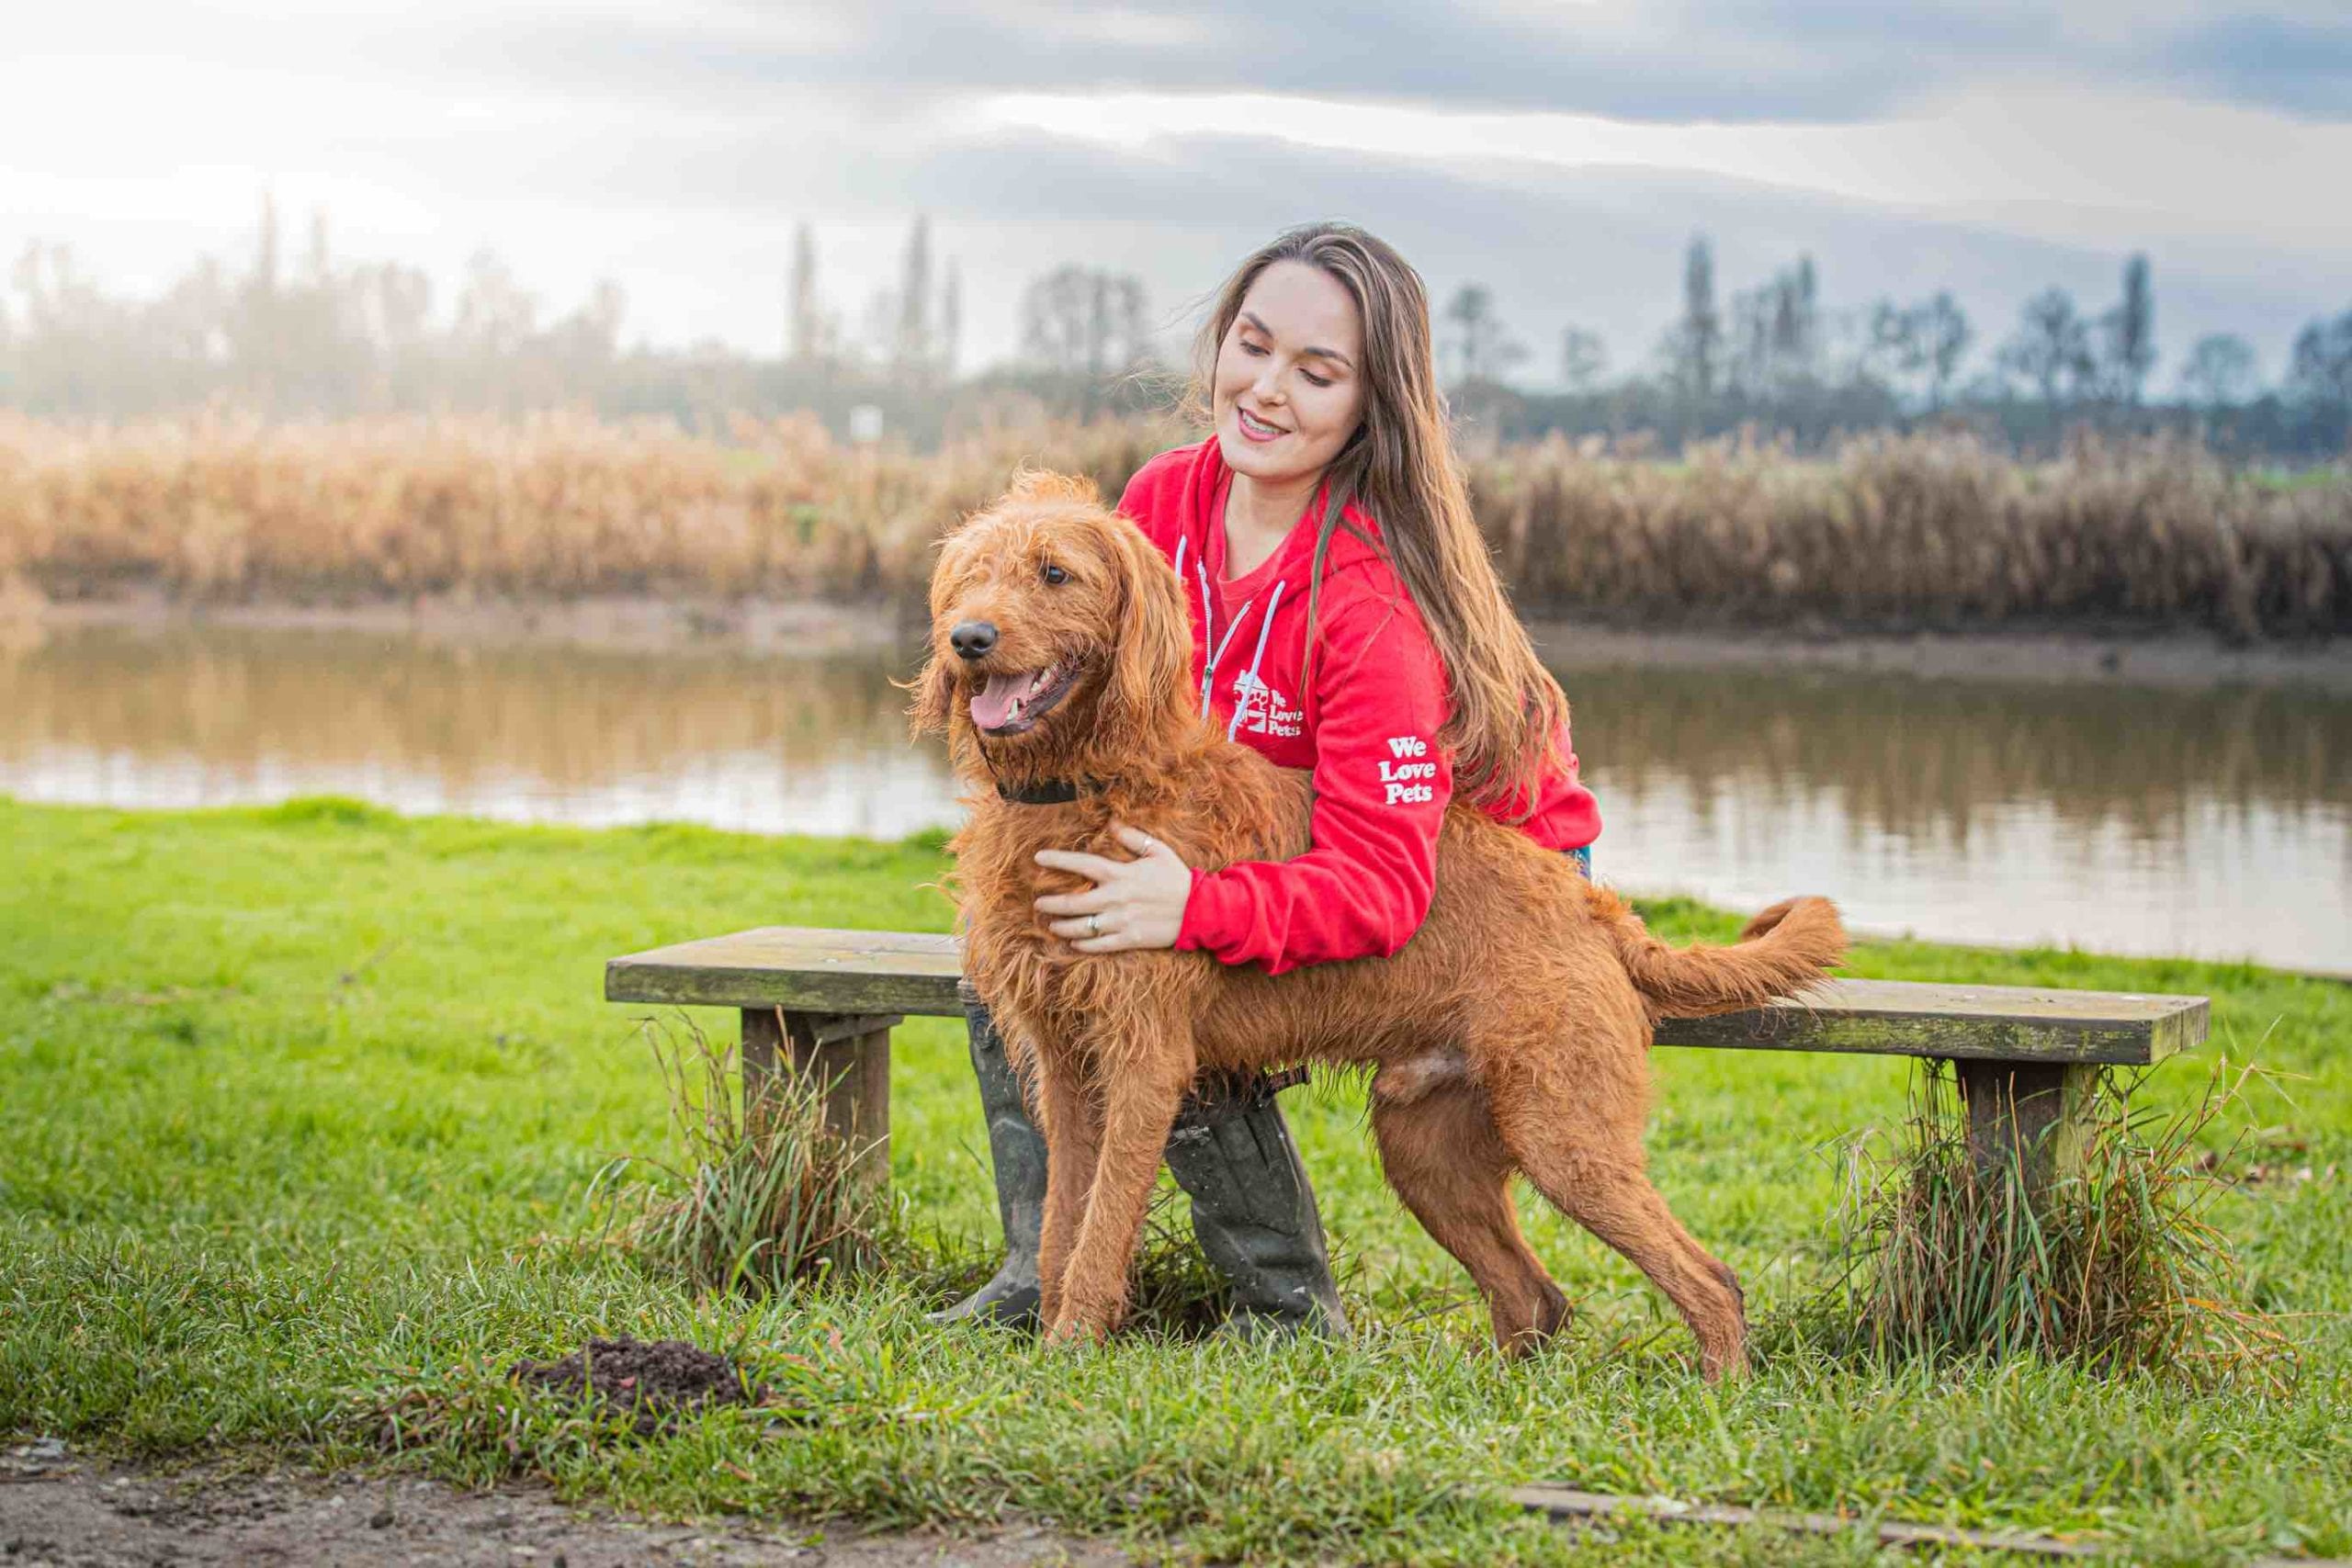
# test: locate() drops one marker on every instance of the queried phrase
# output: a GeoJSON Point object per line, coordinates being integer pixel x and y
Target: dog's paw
{"type": "Point", "coordinates": [1072, 1332]}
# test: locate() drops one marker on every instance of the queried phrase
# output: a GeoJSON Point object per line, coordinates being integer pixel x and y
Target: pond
{"type": "Point", "coordinates": [2213, 822]}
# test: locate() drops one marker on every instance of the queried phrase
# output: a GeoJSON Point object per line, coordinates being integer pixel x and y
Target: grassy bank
{"type": "Point", "coordinates": [301, 1105]}
{"type": "Point", "coordinates": [1929, 531]}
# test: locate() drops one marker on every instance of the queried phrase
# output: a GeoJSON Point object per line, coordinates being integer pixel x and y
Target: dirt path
{"type": "Point", "coordinates": [57, 1509]}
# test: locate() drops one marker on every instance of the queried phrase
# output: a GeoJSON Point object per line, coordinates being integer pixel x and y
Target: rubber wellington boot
{"type": "Point", "coordinates": [1253, 1211]}
{"type": "Point", "coordinates": [1018, 1154]}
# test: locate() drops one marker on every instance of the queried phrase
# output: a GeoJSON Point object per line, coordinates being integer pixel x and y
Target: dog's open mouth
{"type": "Point", "coordinates": [1009, 704]}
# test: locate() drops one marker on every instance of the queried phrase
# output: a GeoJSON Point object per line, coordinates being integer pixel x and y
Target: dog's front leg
{"type": "Point", "coordinates": [1143, 1068]}
{"type": "Point", "coordinates": [1071, 1123]}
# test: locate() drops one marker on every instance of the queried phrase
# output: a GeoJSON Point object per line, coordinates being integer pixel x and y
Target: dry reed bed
{"type": "Point", "coordinates": [1928, 530]}
{"type": "Point", "coordinates": [553, 505]}
{"type": "Point", "coordinates": [1922, 530]}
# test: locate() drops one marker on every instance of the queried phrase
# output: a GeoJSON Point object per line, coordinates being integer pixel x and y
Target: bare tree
{"type": "Point", "coordinates": [1482, 348]}
{"type": "Point", "coordinates": [1796, 319]}
{"type": "Point", "coordinates": [2219, 371]}
{"type": "Point", "coordinates": [951, 318]}
{"type": "Point", "coordinates": [1895, 353]}
{"type": "Point", "coordinates": [495, 313]}
{"type": "Point", "coordinates": [2321, 368]}
{"type": "Point", "coordinates": [1775, 337]}
{"type": "Point", "coordinates": [1942, 329]}
{"type": "Point", "coordinates": [1694, 348]}
{"type": "Point", "coordinates": [2051, 349]}
{"type": "Point", "coordinates": [265, 273]}
{"type": "Point", "coordinates": [1080, 320]}
{"type": "Point", "coordinates": [2128, 334]}
{"type": "Point", "coordinates": [592, 334]}
{"type": "Point", "coordinates": [805, 332]}
{"type": "Point", "coordinates": [1920, 344]}
{"type": "Point", "coordinates": [1584, 360]}
{"type": "Point", "coordinates": [912, 353]}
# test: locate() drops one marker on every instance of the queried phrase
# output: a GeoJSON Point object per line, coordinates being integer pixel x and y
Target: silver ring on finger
{"type": "Point", "coordinates": [1093, 925]}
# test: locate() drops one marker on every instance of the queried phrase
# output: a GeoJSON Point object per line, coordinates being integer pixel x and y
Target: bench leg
{"type": "Point", "coordinates": [2026, 1116]}
{"type": "Point", "coordinates": [848, 1053]}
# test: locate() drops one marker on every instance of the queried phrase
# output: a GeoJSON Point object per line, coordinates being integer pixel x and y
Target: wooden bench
{"type": "Point", "coordinates": [825, 1001]}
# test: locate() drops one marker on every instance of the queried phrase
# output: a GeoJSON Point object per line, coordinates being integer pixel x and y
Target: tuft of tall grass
{"type": "Point", "coordinates": [2115, 1266]}
{"type": "Point", "coordinates": [758, 1198]}
{"type": "Point", "coordinates": [762, 1199]}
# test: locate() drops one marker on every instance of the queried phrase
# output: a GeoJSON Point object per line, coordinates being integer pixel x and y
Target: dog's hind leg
{"type": "Point", "coordinates": [1583, 1152]}
{"type": "Point", "coordinates": [1442, 1155]}
{"type": "Point", "coordinates": [1141, 1090]}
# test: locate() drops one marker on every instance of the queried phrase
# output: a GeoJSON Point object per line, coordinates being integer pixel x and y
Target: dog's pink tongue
{"type": "Point", "coordinates": [992, 704]}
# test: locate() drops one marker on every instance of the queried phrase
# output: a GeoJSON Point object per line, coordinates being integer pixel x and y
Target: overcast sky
{"type": "Point", "coordinates": [1562, 152]}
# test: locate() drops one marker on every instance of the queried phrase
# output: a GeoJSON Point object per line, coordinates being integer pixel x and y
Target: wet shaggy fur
{"type": "Point", "coordinates": [1510, 1035]}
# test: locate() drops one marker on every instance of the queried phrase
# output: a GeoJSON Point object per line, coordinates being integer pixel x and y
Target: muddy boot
{"type": "Point", "coordinates": [1253, 1209]}
{"type": "Point", "coordinates": [1018, 1154]}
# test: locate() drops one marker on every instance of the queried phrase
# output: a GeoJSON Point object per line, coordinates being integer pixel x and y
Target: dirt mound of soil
{"type": "Point", "coordinates": [654, 1381]}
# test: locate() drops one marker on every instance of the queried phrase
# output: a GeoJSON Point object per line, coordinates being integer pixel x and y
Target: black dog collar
{"type": "Point", "coordinates": [1048, 792]}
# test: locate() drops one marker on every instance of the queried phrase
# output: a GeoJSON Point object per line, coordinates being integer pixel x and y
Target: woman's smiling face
{"type": "Point", "coordinates": [1288, 393]}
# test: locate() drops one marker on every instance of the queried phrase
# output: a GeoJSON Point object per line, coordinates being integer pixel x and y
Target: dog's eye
{"type": "Point", "coordinates": [1055, 575]}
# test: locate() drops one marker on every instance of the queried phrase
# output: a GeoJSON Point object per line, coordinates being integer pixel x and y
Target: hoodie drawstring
{"type": "Point", "coordinates": [1250, 682]}
{"type": "Point", "coordinates": [1214, 649]}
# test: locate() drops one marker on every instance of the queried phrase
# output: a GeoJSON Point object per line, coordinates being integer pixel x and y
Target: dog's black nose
{"type": "Point", "coordinates": [972, 640]}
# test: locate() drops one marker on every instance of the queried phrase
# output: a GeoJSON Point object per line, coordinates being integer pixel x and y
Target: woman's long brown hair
{"type": "Point", "coordinates": [1400, 467]}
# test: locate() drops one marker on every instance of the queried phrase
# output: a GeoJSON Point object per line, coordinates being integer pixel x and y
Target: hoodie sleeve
{"type": "Point", "coordinates": [1554, 809]}
{"type": "Point", "coordinates": [1381, 788]}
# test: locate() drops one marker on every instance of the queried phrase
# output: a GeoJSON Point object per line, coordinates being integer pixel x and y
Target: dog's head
{"type": "Point", "coordinates": [1058, 636]}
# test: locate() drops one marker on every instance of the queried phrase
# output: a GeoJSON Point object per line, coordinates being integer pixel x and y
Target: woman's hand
{"type": "Point", "coordinates": [1133, 903]}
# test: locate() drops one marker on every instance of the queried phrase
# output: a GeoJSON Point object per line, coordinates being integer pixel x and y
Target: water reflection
{"type": "Point", "coordinates": [197, 715]}
{"type": "Point", "coordinates": [2216, 822]}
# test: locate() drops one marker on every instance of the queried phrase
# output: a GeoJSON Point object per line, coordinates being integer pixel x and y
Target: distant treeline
{"type": "Point", "coordinates": [308, 335]}
{"type": "Point", "coordinates": [1774, 360]}
{"type": "Point", "coordinates": [1885, 532]}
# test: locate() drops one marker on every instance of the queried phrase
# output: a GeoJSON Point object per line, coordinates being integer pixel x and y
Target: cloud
{"type": "Point", "coordinates": [2304, 67]}
{"type": "Point", "coordinates": [1641, 62]}
{"type": "Point", "coordinates": [1988, 149]}
{"type": "Point", "coordinates": [1739, 61]}
{"type": "Point", "coordinates": [1653, 61]}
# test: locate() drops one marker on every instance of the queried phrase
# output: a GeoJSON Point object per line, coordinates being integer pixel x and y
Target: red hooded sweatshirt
{"type": "Point", "coordinates": [1367, 728]}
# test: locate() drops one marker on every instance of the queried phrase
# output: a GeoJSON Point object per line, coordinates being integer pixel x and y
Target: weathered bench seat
{"type": "Point", "coordinates": [2025, 1056]}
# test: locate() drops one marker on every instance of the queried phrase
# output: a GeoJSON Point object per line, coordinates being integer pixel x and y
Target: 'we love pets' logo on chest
{"type": "Point", "coordinates": [1264, 709]}
{"type": "Point", "coordinates": [1408, 774]}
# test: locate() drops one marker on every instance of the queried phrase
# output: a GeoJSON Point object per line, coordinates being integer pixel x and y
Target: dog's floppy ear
{"type": "Point", "coordinates": [934, 693]}
{"type": "Point", "coordinates": [1152, 670]}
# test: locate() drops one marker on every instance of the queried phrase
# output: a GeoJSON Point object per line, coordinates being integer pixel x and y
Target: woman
{"type": "Point", "coordinates": [1349, 620]}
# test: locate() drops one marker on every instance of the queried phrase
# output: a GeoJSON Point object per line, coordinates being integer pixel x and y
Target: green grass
{"type": "Point", "coordinates": [299, 1111]}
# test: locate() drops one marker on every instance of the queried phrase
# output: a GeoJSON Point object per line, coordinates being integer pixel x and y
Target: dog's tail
{"type": "Point", "coordinates": [1783, 950]}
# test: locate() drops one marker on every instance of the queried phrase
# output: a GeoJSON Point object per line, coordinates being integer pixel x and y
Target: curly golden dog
{"type": "Point", "coordinates": [1510, 1035]}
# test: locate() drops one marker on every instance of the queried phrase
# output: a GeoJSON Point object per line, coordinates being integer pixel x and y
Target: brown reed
{"type": "Point", "coordinates": [1937, 530]}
